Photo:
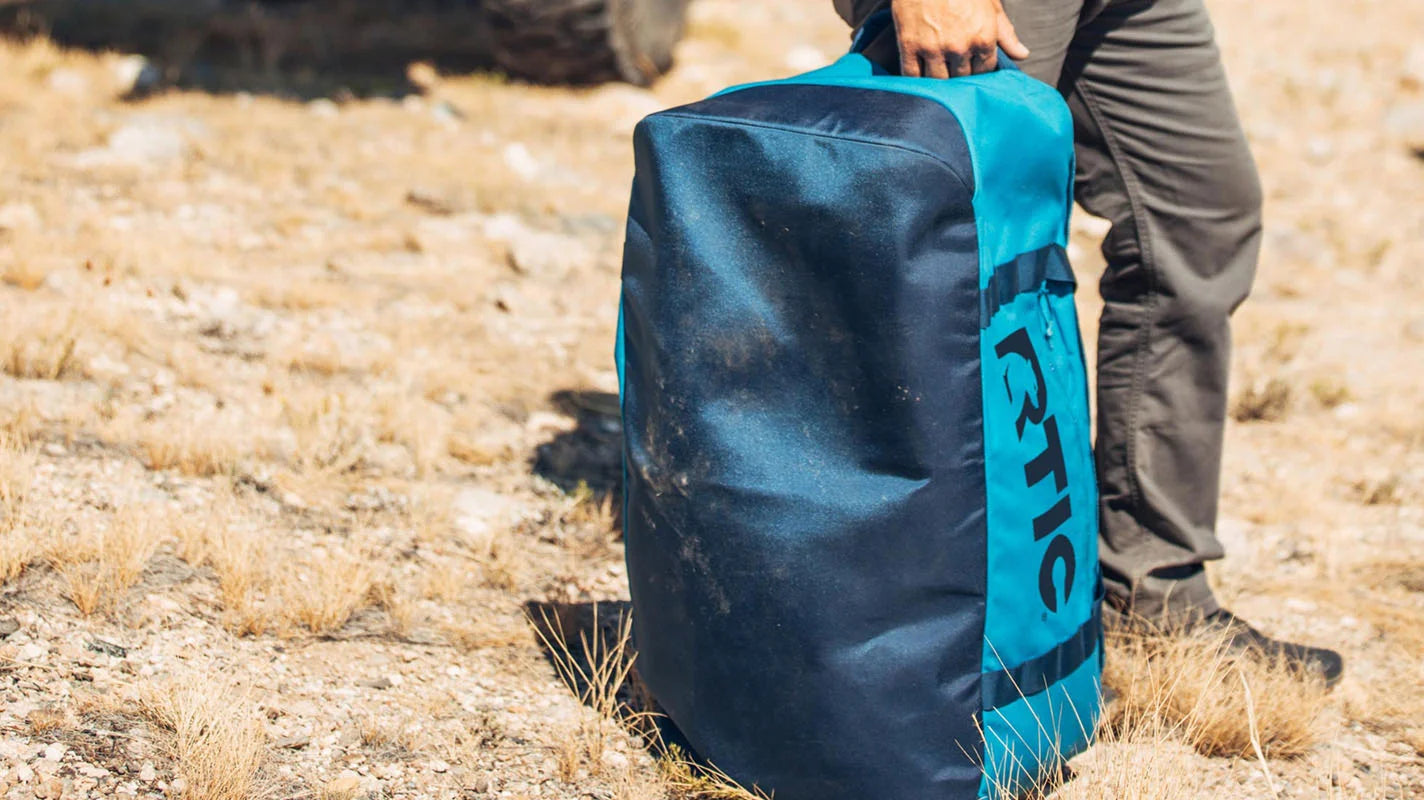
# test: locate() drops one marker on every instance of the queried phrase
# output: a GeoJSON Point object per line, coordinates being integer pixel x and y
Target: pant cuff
{"type": "Point", "coordinates": [1166, 601]}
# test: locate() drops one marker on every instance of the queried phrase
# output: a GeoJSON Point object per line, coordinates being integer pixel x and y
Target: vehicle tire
{"type": "Point", "coordinates": [584, 41]}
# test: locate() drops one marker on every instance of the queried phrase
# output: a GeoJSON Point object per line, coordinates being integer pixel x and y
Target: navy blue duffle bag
{"type": "Point", "coordinates": [860, 509]}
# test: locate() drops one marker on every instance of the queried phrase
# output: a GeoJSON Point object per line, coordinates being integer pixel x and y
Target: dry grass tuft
{"type": "Point", "coordinates": [18, 545]}
{"type": "Point", "coordinates": [329, 435]}
{"type": "Point", "coordinates": [39, 344]}
{"type": "Point", "coordinates": [100, 565]}
{"type": "Point", "coordinates": [691, 780]}
{"type": "Point", "coordinates": [322, 593]}
{"type": "Point", "coordinates": [48, 721]}
{"type": "Point", "coordinates": [217, 743]}
{"type": "Point", "coordinates": [595, 673]}
{"type": "Point", "coordinates": [195, 448]}
{"type": "Point", "coordinates": [1219, 702]}
{"type": "Point", "coordinates": [1267, 401]}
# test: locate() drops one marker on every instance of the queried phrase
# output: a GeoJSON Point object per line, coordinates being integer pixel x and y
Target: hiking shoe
{"type": "Point", "coordinates": [1241, 637]}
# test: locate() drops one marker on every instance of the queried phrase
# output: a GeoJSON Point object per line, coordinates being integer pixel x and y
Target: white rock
{"type": "Point", "coordinates": [54, 752]}
{"type": "Point", "coordinates": [147, 773]}
{"type": "Point", "coordinates": [479, 512]}
{"type": "Point", "coordinates": [30, 652]}
{"type": "Point", "coordinates": [1414, 66]}
{"type": "Point", "coordinates": [518, 158]}
{"type": "Point", "coordinates": [134, 74]}
{"type": "Point", "coordinates": [145, 139]}
{"type": "Point", "coordinates": [1406, 122]}
{"type": "Point", "coordinates": [18, 215]}
{"type": "Point", "coordinates": [323, 107]}
{"type": "Point", "coordinates": [68, 81]}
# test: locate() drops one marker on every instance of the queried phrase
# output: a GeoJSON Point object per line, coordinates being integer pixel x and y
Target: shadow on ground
{"type": "Point", "coordinates": [590, 646]}
{"type": "Point", "coordinates": [590, 455]}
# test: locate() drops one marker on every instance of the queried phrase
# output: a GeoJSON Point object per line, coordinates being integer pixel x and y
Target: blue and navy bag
{"type": "Point", "coordinates": [860, 509]}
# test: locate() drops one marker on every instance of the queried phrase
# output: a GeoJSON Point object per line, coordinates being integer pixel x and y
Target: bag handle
{"type": "Point", "coordinates": [876, 24]}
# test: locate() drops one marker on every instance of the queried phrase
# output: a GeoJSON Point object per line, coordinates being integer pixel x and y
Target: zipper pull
{"type": "Point", "coordinates": [1046, 312]}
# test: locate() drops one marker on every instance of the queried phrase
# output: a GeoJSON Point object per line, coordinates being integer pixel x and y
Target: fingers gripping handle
{"type": "Point", "coordinates": [880, 20]}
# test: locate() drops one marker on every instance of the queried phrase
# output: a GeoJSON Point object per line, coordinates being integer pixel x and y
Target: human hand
{"type": "Point", "coordinates": [950, 38]}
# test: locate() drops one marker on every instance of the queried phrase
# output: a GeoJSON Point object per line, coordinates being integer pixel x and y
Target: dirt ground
{"type": "Point", "coordinates": [306, 412]}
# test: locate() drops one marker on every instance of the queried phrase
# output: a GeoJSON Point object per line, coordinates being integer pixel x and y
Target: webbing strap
{"type": "Point", "coordinates": [1033, 676]}
{"type": "Point", "coordinates": [1026, 273]}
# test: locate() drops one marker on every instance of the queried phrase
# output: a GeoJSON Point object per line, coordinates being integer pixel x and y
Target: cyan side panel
{"type": "Point", "coordinates": [1043, 729]}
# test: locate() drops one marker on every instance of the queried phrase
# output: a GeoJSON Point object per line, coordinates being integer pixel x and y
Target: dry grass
{"type": "Point", "coordinates": [194, 447]}
{"type": "Point", "coordinates": [39, 343]}
{"type": "Point", "coordinates": [100, 565]}
{"type": "Point", "coordinates": [329, 432]}
{"type": "Point", "coordinates": [1262, 401]}
{"type": "Point", "coordinates": [595, 672]}
{"type": "Point", "coordinates": [323, 592]}
{"type": "Point", "coordinates": [216, 742]}
{"type": "Point", "coordinates": [19, 544]}
{"type": "Point", "coordinates": [1221, 703]}
{"type": "Point", "coordinates": [690, 779]}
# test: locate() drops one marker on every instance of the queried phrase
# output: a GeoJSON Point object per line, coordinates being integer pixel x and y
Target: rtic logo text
{"type": "Point", "coordinates": [1047, 463]}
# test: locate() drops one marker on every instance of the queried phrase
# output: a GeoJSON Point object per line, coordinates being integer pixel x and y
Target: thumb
{"type": "Point", "coordinates": [1009, 39]}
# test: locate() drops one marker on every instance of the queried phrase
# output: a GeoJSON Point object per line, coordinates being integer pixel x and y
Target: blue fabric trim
{"type": "Point", "coordinates": [1026, 273]}
{"type": "Point", "coordinates": [1010, 685]}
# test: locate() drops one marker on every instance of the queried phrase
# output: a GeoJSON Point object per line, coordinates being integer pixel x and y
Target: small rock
{"type": "Point", "coordinates": [19, 215]}
{"type": "Point", "coordinates": [423, 76]}
{"type": "Point", "coordinates": [323, 107]}
{"type": "Point", "coordinates": [144, 140]}
{"type": "Point", "coordinates": [478, 512]}
{"type": "Point", "coordinates": [25, 773]}
{"type": "Point", "coordinates": [447, 112]}
{"type": "Point", "coordinates": [376, 683]}
{"type": "Point", "coordinates": [8, 625]}
{"type": "Point", "coordinates": [147, 773]}
{"type": "Point", "coordinates": [296, 742]}
{"type": "Point", "coordinates": [439, 766]}
{"type": "Point", "coordinates": [68, 81]}
{"type": "Point", "coordinates": [1406, 122]}
{"type": "Point", "coordinates": [54, 751]}
{"type": "Point", "coordinates": [345, 786]}
{"type": "Point", "coordinates": [107, 648]}
{"type": "Point", "coordinates": [30, 652]}
{"type": "Point", "coordinates": [518, 158]}
{"type": "Point", "coordinates": [1414, 67]}
{"type": "Point", "coordinates": [51, 789]}
{"type": "Point", "coordinates": [134, 75]}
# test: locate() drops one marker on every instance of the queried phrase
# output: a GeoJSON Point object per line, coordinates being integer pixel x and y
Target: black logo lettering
{"type": "Point", "coordinates": [1018, 343]}
{"type": "Point", "coordinates": [1034, 409]}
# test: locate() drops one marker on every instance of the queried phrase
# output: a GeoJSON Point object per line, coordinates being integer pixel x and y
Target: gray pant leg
{"type": "Point", "coordinates": [1162, 156]}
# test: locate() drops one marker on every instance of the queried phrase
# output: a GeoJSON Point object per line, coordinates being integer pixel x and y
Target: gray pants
{"type": "Point", "coordinates": [1162, 156]}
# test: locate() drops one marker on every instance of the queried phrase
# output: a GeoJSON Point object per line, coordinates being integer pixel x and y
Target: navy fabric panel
{"type": "Point", "coordinates": [889, 119]}
{"type": "Point", "coordinates": [1009, 686]}
{"type": "Point", "coordinates": [1026, 273]}
{"type": "Point", "coordinates": [803, 416]}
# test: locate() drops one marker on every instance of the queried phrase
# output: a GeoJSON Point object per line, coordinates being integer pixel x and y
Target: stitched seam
{"type": "Point", "coordinates": [1144, 243]}
{"type": "Point", "coordinates": [742, 123]}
